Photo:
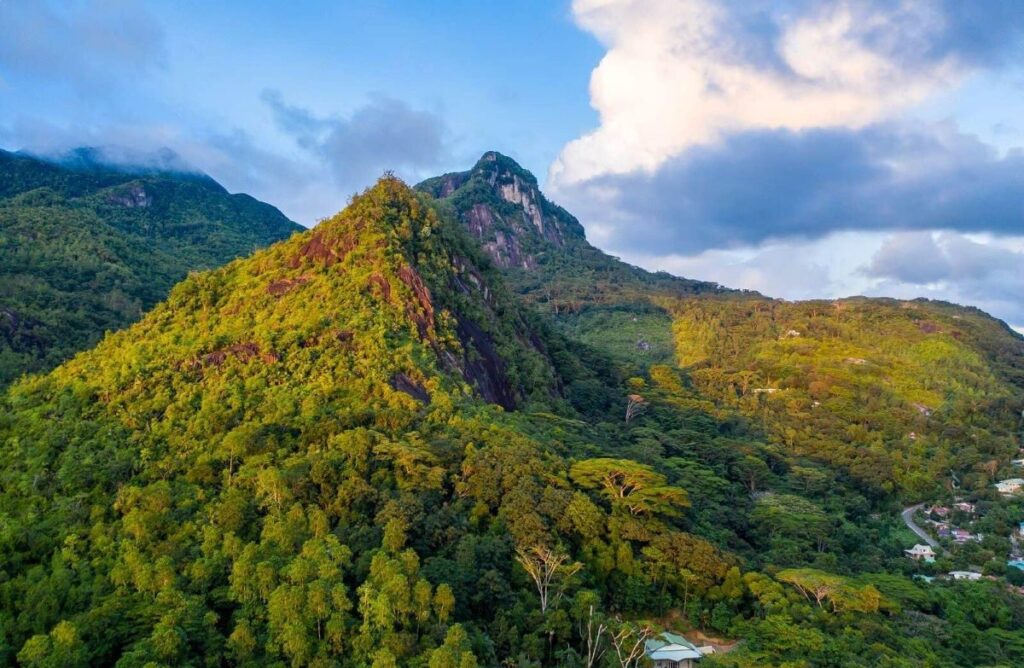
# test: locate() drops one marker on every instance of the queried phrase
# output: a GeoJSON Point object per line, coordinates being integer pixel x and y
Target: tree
{"type": "Point", "coordinates": [634, 486]}
{"type": "Point", "coordinates": [837, 590]}
{"type": "Point", "coordinates": [455, 652]}
{"type": "Point", "coordinates": [813, 584]}
{"type": "Point", "coordinates": [308, 612]}
{"type": "Point", "coordinates": [444, 602]}
{"type": "Point", "coordinates": [630, 643]}
{"type": "Point", "coordinates": [635, 405]}
{"type": "Point", "coordinates": [548, 570]}
{"type": "Point", "coordinates": [591, 631]}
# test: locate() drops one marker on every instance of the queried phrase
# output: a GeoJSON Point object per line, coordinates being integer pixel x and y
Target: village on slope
{"type": "Point", "coordinates": [972, 539]}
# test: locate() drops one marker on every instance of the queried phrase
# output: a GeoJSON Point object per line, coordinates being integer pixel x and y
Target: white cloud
{"type": "Point", "coordinates": [790, 270]}
{"type": "Point", "coordinates": [683, 72]}
{"type": "Point", "coordinates": [981, 270]}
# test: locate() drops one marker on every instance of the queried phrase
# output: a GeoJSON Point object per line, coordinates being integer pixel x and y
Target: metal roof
{"type": "Point", "coordinates": [671, 647]}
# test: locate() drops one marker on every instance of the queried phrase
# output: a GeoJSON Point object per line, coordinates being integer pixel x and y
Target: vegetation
{"type": "Point", "coordinates": [87, 248]}
{"type": "Point", "coordinates": [358, 448]}
{"type": "Point", "coordinates": [895, 395]}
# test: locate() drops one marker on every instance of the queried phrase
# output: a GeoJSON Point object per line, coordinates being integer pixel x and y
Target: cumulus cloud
{"type": "Point", "coordinates": [384, 134]}
{"type": "Point", "coordinates": [84, 44]}
{"type": "Point", "coordinates": [683, 72]}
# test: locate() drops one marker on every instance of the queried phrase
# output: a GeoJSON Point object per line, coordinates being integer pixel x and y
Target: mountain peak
{"type": "Point", "coordinates": [493, 162]}
{"type": "Point", "coordinates": [541, 245]}
{"type": "Point", "coordinates": [392, 252]}
{"type": "Point", "coordinates": [503, 208]}
{"type": "Point", "coordinates": [389, 211]}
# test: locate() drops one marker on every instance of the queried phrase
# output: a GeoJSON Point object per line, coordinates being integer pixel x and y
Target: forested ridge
{"type": "Point", "coordinates": [87, 247]}
{"type": "Point", "coordinates": [363, 447]}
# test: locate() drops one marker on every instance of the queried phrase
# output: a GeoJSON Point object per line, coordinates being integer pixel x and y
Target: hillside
{"type": "Point", "coordinates": [355, 447]}
{"type": "Point", "coordinates": [86, 247]}
{"type": "Point", "coordinates": [897, 395]}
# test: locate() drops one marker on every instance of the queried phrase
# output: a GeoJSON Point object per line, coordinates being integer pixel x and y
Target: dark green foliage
{"type": "Point", "coordinates": [86, 249]}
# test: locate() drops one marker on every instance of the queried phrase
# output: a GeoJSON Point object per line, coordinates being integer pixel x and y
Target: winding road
{"type": "Point", "coordinates": [908, 519]}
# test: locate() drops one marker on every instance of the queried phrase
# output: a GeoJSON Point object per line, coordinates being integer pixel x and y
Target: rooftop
{"type": "Point", "coordinates": [671, 647]}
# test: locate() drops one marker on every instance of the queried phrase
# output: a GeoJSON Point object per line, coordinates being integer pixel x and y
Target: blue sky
{"type": "Point", "coordinates": [514, 80]}
{"type": "Point", "coordinates": [803, 148]}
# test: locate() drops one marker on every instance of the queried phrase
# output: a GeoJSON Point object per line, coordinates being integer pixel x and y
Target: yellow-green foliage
{"type": "Point", "coordinates": [289, 462]}
{"type": "Point", "coordinates": [895, 392]}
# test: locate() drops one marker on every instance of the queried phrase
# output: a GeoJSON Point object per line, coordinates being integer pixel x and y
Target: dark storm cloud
{"type": "Point", "coordinates": [86, 44]}
{"type": "Point", "coordinates": [385, 134]}
{"type": "Point", "coordinates": [777, 184]}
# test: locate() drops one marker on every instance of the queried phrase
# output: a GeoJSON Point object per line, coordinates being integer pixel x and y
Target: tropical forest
{"type": "Point", "coordinates": [371, 444]}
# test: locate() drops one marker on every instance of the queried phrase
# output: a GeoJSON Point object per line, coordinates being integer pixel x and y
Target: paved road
{"type": "Point", "coordinates": [908, 519]}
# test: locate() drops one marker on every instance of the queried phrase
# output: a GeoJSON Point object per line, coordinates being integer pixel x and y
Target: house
{"type": "Point", "coordinates": [964, 575]}
{"type": "Point", "coordinates": [1010, 485]}
{"type": "Point", "coordinates": [668, 650]}
{"type": "Point", "coordinates": [921, 552]}
{"type": "Point", "coordinates": [941, 511]}
{"type": "Point", "coordinates": [965, 507]}
{"type": "Point", "coordinates": [943, 530]}
{"type": "Point", "coordinates": [963, 535]}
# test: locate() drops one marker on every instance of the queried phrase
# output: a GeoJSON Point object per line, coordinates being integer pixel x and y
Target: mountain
{"type": "Point", "coordinates": [328, 387]}
{"type": "Point", "coordinates": [540, 245]}
{"type": "Point", "coordinates": [87, 247]}
{"type": "Point", "coordinates": [357, 447]}
{"type": "Point", "coordinates": [942, 386]}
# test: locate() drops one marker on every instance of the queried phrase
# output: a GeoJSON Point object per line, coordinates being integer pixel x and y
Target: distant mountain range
{"type": "Point", "coordinates": [87, 246]}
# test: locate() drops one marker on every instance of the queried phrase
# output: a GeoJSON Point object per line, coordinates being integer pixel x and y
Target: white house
{"type": "Point", "coordinates": [921, 552]}
{"type": "Point", "coordinates": [965, 575]}
{"type": "Point", "coordinates": [1010, 485]}
{"type": "Point", "coordinates": [668, 650]}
